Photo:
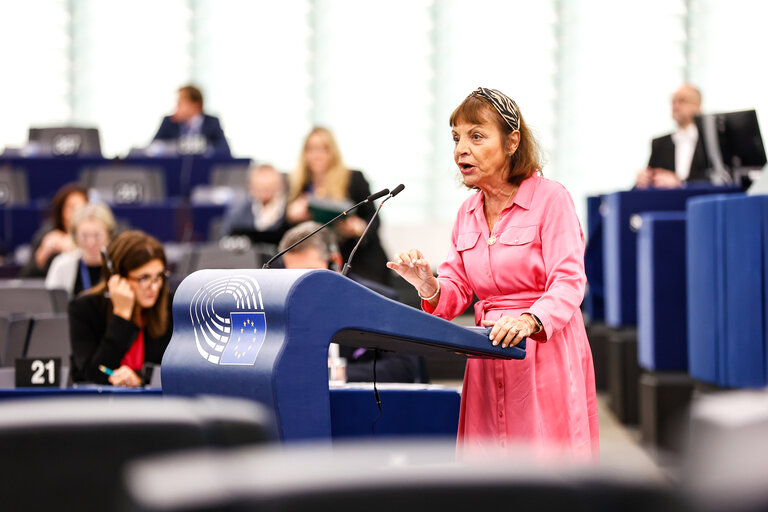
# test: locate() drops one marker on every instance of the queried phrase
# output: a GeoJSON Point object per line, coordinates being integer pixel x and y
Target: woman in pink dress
{"type": "Point", "coordinates": [516, 244]}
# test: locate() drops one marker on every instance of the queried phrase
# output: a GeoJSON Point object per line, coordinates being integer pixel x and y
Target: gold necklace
{"type": "Point", "coordinates": [492, 239]}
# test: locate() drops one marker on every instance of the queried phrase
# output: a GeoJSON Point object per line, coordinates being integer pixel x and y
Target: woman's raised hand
{"type": "Point", "coordinates": [122, 296]}
{"type": "Point", "coordinates": [414, 268]}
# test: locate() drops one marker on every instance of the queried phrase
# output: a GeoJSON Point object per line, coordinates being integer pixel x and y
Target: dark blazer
{"type": "Point", "coordinates": [663, 156]}
{"type": "Point", "coordinates": [170, 130]}
{"type": "Point", "coordinates": [239, 220]}
{"type": "Point", "coordinates": [99, 337]}
{"type": "Point", "coordinates": [370, 261]}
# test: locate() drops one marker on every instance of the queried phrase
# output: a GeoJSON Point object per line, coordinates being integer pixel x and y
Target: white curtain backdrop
{"type": "Point", "coordinates": [593, 78]}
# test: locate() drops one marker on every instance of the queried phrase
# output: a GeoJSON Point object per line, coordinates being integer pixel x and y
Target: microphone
{"type": "Point", "coordinates": [373, 197]}
{"type": "Point", "coordinates": [396, 191]}
{"type": "Point", "coordinates": [348, 264]}
{"type": "Point", "coordinates": [368, 199]}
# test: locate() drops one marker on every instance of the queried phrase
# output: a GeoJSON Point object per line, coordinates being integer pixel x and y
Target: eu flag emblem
{"type": "Point", "coordinates": [246, 337]}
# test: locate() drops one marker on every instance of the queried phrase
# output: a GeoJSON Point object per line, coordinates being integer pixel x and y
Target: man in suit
{"type": "Point", "coordinates": [189, 122]}
{"type": "Point", "coordinates": [321, 252]}
{"type": "Point", "coordinates": [680, 156]}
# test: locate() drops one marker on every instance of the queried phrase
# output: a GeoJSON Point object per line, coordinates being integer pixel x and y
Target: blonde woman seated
{"type": "Point", "coordinates": [321, 174]}
{"type": "Point", "coordinates": [91, 227]}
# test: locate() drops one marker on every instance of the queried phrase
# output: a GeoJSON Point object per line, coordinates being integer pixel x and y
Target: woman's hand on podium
{"type": "Point", "coordinates": [510, 331]}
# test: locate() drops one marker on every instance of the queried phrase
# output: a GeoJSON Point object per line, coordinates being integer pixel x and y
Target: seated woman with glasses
{"type": "Point", "coordinates": [91, 228]}
{"type": "Point", "coordinates": [114, 334]}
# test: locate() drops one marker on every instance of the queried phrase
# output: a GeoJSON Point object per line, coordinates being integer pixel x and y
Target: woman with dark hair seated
{"type": "Point", "coordinates": [114, 334]}
{"type": "Point", "coordinates": [53, 236]}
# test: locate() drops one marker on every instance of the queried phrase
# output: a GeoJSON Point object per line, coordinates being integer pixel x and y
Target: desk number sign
{"type": "Point", "coordinates": [38, 372]}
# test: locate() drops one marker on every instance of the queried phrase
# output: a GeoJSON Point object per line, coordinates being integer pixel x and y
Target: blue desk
{"type": "Point", "coordinates": [594, 300]}
{"type": "Point", "coordinates": [727, 239]}
{"type": "Point", "coordinates": [107, 391]}
{"type": "Point", "coordinates": [171, 220]}
{"type": "Point", "coordinates": [620, 244]}
{"type": "Point", "coordinates": [47, 174]}
{"type": "Point", "coordinates": [662, 339]}
{"type": "Point", "coordinates": [407, 410]}
{"type": "Point", "coordinates": [19, 223]}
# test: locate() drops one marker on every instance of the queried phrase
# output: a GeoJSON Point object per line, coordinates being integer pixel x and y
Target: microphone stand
{"type": "Point", "coordinates": [347, 265]}
{"type": "Point", "coordinates": [345, 212]}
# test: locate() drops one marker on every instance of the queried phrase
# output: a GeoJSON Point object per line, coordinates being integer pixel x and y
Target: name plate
{"type": "Point", "coordinates": [38, 372]}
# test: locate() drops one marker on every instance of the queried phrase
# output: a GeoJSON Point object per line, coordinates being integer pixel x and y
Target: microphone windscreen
{"type": "Point", "coordinates": [397, 190]}
{"type": "Point", "coordinates": [380, 193]}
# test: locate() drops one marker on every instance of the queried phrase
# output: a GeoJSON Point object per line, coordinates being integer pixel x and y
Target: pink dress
{"type": "Point", "coordinates": [535, 264]}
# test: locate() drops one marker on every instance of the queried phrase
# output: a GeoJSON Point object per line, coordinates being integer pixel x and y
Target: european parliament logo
{"type": "Point", "coordinates": [247, 336]}
{"type": "Point", "coordinates": [229, 328]}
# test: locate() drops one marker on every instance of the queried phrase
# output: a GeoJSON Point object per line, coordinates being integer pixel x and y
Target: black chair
{"type": "Point", "coordinates": [120, 184]}
{"type": "Point", "coordinates": [215, 256]}
{"type": "Point", "coordinates": [229, 175]}
{"type": "Point", "coordinates": [380, 478]}
{"type": "Point", "coordinates": [49, 337]}
{"type": "Point", "coordinates": [31, 296]}
{"type": "Point", "coordinates": [14, 329]}
{"type": "Point", "coordinates": [65, 141]}
{"type": "Point", "coordinates": [68, 453]}
{"type": "Point", "coordinates": [13, 187]}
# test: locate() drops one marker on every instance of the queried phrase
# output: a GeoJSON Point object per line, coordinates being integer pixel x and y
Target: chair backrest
{"type": "Point", "coordinates": [213, 256]}
{"type": "Point", "coordinates": [13, 187]}
{"type": "Point", "coordinates": [13, 337]}
{"type": "Point", "coordinates": [30, 296]}
{"type": "Point", "coordinates": [119, 184]}
{"type": "Point", "coordinates": [228, 175]}
{"type": "Point", "coordinates": [65, 141]}
{"type": "Point", "coordinates": [69, 453]}
{"type": "Point", "coordinates": [49, 337]}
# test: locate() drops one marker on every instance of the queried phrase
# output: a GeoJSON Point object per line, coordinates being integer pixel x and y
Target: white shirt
{"type": "Point", "coordinates": [195, 125]}
{"type": "Point", "coordinates": [266, 216]}
{"type": "Point", "coordinates": [685, 140]}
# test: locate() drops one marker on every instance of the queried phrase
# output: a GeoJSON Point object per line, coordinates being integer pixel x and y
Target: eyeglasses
{"type": "Point", "coordinates": [146, 280]}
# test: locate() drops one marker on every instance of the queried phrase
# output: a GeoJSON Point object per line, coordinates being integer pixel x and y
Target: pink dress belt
{"type": "Point", "coordinates": [482, 306]}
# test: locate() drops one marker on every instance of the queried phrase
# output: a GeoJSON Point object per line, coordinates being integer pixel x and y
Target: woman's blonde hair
{"type": "Point", "coordinates": [95, 211]}
{"type": "Point", "coordinates": [336, 176]}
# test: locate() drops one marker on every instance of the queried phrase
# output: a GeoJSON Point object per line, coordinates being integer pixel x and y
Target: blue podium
{"type": "Point", "coordinates": [264, 335]}
{"type": "Point", "coordinates": [727, 239]}
{"type": "Point", "coordinates": [620, 243]}
{"type": "Point", "coordinates": [661, 292]}
{"type": "Point", "coordinates": [594, 299]}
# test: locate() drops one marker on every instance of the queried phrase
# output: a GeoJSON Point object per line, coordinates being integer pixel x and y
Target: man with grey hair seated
{"type": "Point", "coordinates": [322, 252]}
{"type": "Point", "coordinates": [261, 216]}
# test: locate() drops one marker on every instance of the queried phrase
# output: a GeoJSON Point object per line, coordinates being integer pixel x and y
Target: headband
{"type": "Point", "coordinates": [504, 105]}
